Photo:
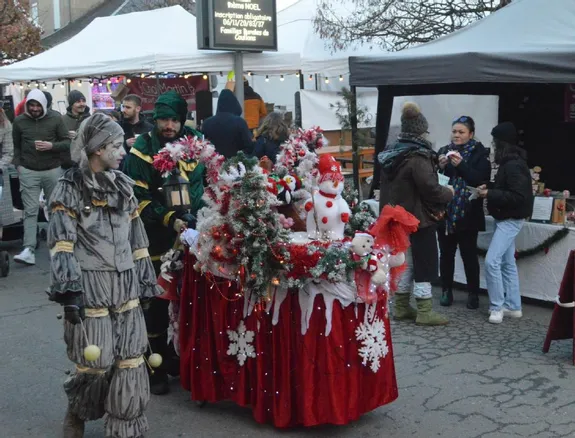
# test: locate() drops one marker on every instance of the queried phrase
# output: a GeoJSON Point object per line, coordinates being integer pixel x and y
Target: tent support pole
{"type": "Point", "coordinates": [383, 119]}
{"type": "Point", "coordinates": [354, 142]}
{"type": "Point", "coordinates": [239, 76]}
{"type": "Point", "coordinates": [301, 82]}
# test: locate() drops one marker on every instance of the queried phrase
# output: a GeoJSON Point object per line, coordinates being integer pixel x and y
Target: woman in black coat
{"type": "Point", "coordinates": [272, 133]}
{"type": "Point", "coordinates": [466, 162]}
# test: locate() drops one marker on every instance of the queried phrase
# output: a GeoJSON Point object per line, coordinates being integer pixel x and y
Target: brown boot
{"type": "Point", "coordinates": [73, 426]}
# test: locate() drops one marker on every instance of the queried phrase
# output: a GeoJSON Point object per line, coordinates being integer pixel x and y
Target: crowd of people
{"type": "Point", "coordinates": [454, 214]}
{"type": "Point", "coordinates": [110, 224]}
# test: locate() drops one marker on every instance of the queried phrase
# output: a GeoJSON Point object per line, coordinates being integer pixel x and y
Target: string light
{"type": "Point", "coordinates": [340, 78]}
{"type": "Point", "coordinates": [310, 77]}
{"type": "Point", "coordinates": [21, 85]}
{"type": "Point", "coordinates": [62, 85]}
{"type": "Point", "coordinates": [80, 83]}
{"type": "Point", "coordinates": [129, 80]}
{"type": "Point", "coordinates": [91, 83]}
{"type": "Point", "coordinates": [142, 76]}
{"type": "Point", "coordinates": [109, 81]}
{"type": "Point", "coordinates": [205, 76]}
{"type": "Point", "coordinates": [249, 73]}
{"type": "Point", "coordinates": [281, 77]}
{"type": "Point", "coordinates": [222, 74]}
{"type": "Point", "coordinates": [327, 80]}
{"type": "Point", "coordinates": [267, 78]}
{"type": "Point", "coordinates": [297, 75]}
{"type": "Point", "coordinates": [45, 85]}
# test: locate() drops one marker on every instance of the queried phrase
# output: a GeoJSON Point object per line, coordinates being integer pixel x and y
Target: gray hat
{"type": "Point", "coordinates": [95, 132]}
{"type": "Point", "coordinates": [412, 121]}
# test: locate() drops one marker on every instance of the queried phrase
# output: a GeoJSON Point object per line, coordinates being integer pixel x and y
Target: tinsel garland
{"type": "Point", "coordinates": [542, 247]}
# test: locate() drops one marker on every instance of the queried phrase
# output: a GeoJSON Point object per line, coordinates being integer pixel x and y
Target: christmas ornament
{"type": "Point", "coordinates": [241, 343]}
{"type": "Point", "coordinates": [327, 211]}
{"type": "Point", "coordinates": [371, 335]}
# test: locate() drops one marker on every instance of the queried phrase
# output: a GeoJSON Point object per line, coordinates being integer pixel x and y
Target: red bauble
{"type": "Point", "coordinates": [301, 153]}
{"type": "Point", "coordinates": [324, 220]}
{"type": "Point", "coordinates": [217, 235]}
{"type": "Point", "coordinates": [329, 204]}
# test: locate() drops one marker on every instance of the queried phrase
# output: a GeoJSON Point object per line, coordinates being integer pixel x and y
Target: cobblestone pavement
{"type": "Point", "coordinates": [469, 379]}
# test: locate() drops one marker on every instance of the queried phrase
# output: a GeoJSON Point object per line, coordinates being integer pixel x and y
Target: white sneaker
{"type": "Point", "coordinates": [512, 313]}
{"type": "Point", "coordinates": [496, 317]}
{"type": "Point", "coordinates": [26, 257]}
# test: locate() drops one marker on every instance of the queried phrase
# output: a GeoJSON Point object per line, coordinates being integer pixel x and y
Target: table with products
{"type": "Point", "coordinates": [540, 273]}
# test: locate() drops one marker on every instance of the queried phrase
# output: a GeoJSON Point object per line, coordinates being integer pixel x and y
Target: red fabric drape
{"type": "Point", "coordinates": [295, 379]}
{"type": "Point", "coordinates": [562, 321]}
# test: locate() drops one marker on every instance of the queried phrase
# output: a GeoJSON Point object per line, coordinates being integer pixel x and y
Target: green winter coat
{"type": "Point", "coordinates": [158, 219]}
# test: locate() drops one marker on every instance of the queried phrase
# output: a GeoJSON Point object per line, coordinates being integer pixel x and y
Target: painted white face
{"type": "Point", "coordinates": [332, 187]}
{"type": "Point", "coordinates": [112, 154]}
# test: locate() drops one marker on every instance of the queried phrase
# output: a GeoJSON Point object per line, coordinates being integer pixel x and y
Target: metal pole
{"type": "Point", "coordinates": [239, 75]}
{"type": "Point", "coordinates": [354, 143]}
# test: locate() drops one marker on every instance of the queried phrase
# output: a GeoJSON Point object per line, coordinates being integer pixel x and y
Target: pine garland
{"type": "Point", "coordinates": [543, 246]}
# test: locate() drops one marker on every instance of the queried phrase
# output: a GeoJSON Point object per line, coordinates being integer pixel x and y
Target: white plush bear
{"type": "Point", "coordinates": [375, 260]}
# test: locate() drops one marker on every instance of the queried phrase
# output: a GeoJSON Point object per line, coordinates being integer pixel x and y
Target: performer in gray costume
{"type": "Point", "coordinates": [101, 270]}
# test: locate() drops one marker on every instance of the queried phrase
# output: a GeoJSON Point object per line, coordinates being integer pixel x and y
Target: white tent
{"type": "Point", "coordinates": [168, 44]}
{"type": "Point", "coordinates": [296, 33]}
{"type": "Point", "coordinates": [528, 41]}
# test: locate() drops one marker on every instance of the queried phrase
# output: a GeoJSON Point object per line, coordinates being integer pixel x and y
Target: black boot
{"type": "Point", "coordinates": [473, 300]}
{"type": "Point", "coordinates": [159, 384]}
{"type": "Point", "coordinates": [446, 299]}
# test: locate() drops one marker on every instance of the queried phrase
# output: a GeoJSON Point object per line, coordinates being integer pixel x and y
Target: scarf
{"type": "Point", "coordinates": [392, 155]}
{"type": "Point", "coordinates": [456, 208]}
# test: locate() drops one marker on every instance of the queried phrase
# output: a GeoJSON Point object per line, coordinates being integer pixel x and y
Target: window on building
{"type": "Point", "coordinates": [34, 13]}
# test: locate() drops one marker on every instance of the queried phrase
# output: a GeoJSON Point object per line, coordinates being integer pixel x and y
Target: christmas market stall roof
{"type": "Point", "coordinates": [168, 43]}
{"type": "Point", "coordinates": [528, 41]}
{"type": "Point", "coordinates": [296, 31]}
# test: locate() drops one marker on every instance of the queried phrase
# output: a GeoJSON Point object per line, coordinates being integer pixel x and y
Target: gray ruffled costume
{"type": "Point", "coordinates": [99, 247]}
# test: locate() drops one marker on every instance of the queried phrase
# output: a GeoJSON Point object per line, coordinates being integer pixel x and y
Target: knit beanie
{"type": "Point", "coordinates": [171, 105]}
{"type": "Point", "coordinates": [505, 132]}
{"type": "Point", "coordinates": [75, 96]}
{"type": "Point", "coordinates": [412, 121]}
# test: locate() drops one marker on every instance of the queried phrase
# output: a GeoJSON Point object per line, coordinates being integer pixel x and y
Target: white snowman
{"type": "Point", "coordinates": [327, 211]}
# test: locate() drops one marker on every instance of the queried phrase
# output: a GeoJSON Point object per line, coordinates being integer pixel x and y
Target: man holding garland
{"type": "Point", "coordinates": [163, 224]}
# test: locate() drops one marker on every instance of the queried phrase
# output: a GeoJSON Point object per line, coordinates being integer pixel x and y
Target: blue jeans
{"type": "Point", "coordinates": [500, 267]}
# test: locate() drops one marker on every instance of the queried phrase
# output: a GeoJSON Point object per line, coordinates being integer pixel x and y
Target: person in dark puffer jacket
{"type": "Point", "coordinates": [510, 202]}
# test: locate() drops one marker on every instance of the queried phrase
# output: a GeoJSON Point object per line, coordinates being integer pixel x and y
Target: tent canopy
{"type": "Point", "coordinates": [528, 41]}
{"type": "Point", "coordinates": [169, 44]}
{"type": "Point", "coordinates": [296, 32]}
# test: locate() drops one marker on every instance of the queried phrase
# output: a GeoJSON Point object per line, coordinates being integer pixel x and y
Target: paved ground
{"type": "Point", "coordinates": [468, 380]}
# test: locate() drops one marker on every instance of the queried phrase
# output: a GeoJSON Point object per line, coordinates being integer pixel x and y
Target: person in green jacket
{"type": "Point", "coordinates": [163, 224]}
{"type": "Point", "coordinates": [40, 138]}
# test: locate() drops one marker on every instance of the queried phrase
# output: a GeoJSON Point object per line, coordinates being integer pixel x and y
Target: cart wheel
{"type": "Point", "coordinates": [4, 264]}
{"type": "Point", "coordinates": [201, 404]}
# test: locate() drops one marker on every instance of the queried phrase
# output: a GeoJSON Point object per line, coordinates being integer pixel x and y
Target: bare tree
{"type": "Point", "coordinates": [19, 36]}
{"type": "Point", "coordinates": [397, 24]}
{"type": "Point", "coordinates": [146, 5]}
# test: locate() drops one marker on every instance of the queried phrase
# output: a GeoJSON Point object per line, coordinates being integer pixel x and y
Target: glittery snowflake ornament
{"type": "Point", "coordinates": [371, 335]}
{"type": "Point", "coordinates": [241, 343]}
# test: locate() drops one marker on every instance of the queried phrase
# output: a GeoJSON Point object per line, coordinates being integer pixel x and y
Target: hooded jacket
{"type": "Point", "coordinates": [409, 178]}
{"type": "Point", "coordinates": [254, 107]}
{"type": "Point", "coordinates": [227, 130]}
{"type": "Point", "coordinates": [48, 127]}
{"type": "Point", "coordinates": [511, 194]}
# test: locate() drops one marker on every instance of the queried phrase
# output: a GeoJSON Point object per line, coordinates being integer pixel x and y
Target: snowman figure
{"type": "Point", "coordinates": [327, 211]}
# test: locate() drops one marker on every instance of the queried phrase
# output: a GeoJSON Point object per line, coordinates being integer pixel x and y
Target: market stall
{"type": "Point", "coordinates": [284, 298]}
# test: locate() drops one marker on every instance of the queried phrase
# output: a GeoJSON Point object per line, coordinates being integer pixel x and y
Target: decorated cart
{"type": "Point", "coordinates": [284, 299]}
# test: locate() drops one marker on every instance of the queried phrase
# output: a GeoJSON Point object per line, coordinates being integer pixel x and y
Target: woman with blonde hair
{"type": "Point", "coordinates": [272, 133]}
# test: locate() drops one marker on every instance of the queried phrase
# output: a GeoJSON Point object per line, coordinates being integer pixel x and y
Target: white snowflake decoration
{"type": "Point", "coordinates": [372, 337]}
{"type": "Point", "coordinates": [241, 343]}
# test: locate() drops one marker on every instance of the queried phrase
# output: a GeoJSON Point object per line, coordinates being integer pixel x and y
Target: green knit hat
{"type": "Point", "coordinates": [171, 105]}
